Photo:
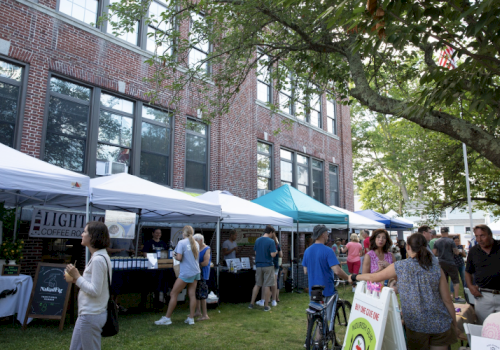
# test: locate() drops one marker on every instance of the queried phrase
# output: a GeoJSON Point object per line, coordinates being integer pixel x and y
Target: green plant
{"type": "Point", "coordinates": [12, 250]}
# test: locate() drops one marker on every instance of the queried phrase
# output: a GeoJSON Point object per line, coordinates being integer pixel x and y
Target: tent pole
{"type": "Point", "coordinates": [139, 227]}
{"type": "Point", "coordinates": [87, 217]}
{"type": "Point", "coordinates": [217, 235]}
{"type": "Point", "coordinates": [16, 214]}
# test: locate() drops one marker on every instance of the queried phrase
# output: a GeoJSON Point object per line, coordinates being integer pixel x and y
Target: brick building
{"type": "Point", "coordinates": [73, 94]}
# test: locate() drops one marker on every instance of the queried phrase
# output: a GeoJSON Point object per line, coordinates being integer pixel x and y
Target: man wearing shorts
{"type": "Point", "coordinates": [265, 251]}
{"type": "Point", "coordinates": [445, 249]}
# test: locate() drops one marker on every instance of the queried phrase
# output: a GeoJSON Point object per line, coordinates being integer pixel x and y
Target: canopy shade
{"type": "Point", "coordinates": [158, 203]}
{"type": "Point", "coordinates": [236, 210]}
{"type": "Point", "coordinates": [291, 202]}
{"type": "Point", "coordinates": [359, 222]}
{"type": "Point", "coordinates": [27, 180]}
{"type": "Point", "coordinates": [390, 223]}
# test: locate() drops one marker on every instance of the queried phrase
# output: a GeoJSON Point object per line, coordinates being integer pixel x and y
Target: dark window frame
{"type": "Point", "coordinates": [271, 163]}
{"type": "Point", "coordinates": [207, 157]}
{"type": "Point", "coordinates": [21, 101]}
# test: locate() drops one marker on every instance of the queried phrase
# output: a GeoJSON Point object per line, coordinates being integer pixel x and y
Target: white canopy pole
{"type": "Point", "coordinates": [87, 217]}
{"type": "Point", "coordinates": [16, 214]}
{"type": "Point", "coordinates": [217, 233]}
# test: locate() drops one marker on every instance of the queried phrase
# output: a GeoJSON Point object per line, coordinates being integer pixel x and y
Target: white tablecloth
{"type": "Point", "coordinates": [17, 303]}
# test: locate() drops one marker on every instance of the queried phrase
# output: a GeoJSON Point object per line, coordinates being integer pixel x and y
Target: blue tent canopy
{"type": "Point", "coordinates": [303, 209]}
{"type": "Point", "coordinates": [390, 223]}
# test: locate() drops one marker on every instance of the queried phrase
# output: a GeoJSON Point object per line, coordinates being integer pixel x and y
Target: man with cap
{"type": "Point", "coordinates": [445, 249]}
{"type": "Point", "coordinates": [320, 263]}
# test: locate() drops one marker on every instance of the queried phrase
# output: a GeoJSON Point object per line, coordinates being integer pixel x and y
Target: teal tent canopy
{"type": "Point", "coordinates": [303, 209]}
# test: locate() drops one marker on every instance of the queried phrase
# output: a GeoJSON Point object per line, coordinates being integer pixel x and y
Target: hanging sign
{"type": "Point", "coordinates": [375, 321]}
{"type": "Point", "coordinates": [57, 224]}
{"type": "Point", "coordinates": [120, 224]}
{"type": "Point", "coordinates": [247, 237]}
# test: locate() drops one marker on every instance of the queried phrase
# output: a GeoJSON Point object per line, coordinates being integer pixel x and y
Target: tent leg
{"type": "Point", "coordinates": [139, 228]}
{"type": "Point", "coordinates": [217, 235]}
{"type": "Point", "coordinates": [16, 215]}
{"type": "Point", "coordinates": [88, 214]}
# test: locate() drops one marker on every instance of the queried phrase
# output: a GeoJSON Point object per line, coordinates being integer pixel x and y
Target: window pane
{"type": "Point", "coordinates": [198, 127]}
{"type": "Point", "coordinates": [262, 69]}
{"type": "Point", "coordinates": [131, 37]}
{"type": "Point", "coordinates": [196, 148]}
{"type": "Point", "coordinates": [155, 138]}
{"type": "Point", "coordinates": [317, 164]}
{"type": "Point", "coordinates": [117, 103]}
{"type": "Point", "coordinates": [286, 171]}
{"type": "Point", "coordinates": [155, 14]}
{"type": "Point", "coordinates": [113, 154]}
{"type": "Point", "coordinates": [263, 165]}
{"type": "Point", "coordinates": [156, 114]}
{"type": "Point", "coordinates": [198, 41]}
{"type": "Point", "coordinates": [195, 175]}
{"type": "Point", "coordinates": [116, 129]}
{"type": "Point", "coordinates": [302, 160]}
{"type": "Point", "coordinates": [300, 111]}
{"type": "Point", "coordinates": [284, 103]}
{"type": "Point", "coordinates": [70, 89]}
{"type": "Point", "coordinates": [263, 183]}
{"type": "Point", "coordinates": [7, 134]}
{"type": "Point", "coordinates": [303, 175]}
{"type": "Point", "coordinates": [10, 71]}
{"type": "Point", "coordinates": [154, 168]}
{"type": "Point", "coordinates": [302, 188]}
{"type": "Point", "coordinates": [195, 58]}
{"type": "Point", "coordinates": [262, 92]}
{"type": "Point", "coordinates": [331, 125]}
{"type": "Point", "coordinates": [162, 46]}
{"type": "Point", "coordinates": [67, 117]}
{"type": "Point", "coordinates": [64, 151]}
{"type": "Point", "coordinates": [263, 147]}
{"type": "Point", "coordinates": [315, 118]}
{"type": "Point", "coordinates": [9, 95]}
{"type": "Point", "coordinates": [285, 154]}
{"type": "Point", "coordinates": [318, 184]}
{"type": "Point", "coordinates": [83, 10]}
{"type": "Point", "coordinates": [330, 109]}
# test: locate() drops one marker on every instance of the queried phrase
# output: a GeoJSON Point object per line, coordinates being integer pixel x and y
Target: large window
{"type": "Point", "coordinates": [94, 132]}
{"type": "Point", "coordinates": [196, 154]}
{"type": "Point", "coordinates": [157, 29]}
{"type": "Point", "coordinates": [132, 37]}
{"type": "Point", "coordinates": [155, 145]}
{"type": "Point", "coordinates": [264, 82]}
{"type": "Point", "coordinates": [200, 46]}
{"type": "Point", "coordinates": [83, 10]}
{"type": "Point", "coordinates": [67, 124]}
{"type": "Point", "coordinates": [264, 167]}
{"type": "Point", "coordinates": [11, 78]}
{"type": "Point", "coordinates": [314, 115]}
{"type": "Point", "coordinates": [285, 95]}
{"type": "Point", "coordinates": [297, 170]}
{"type": "Point", "coordinates": [334, 185]}
{"type": "Point", "coordinates": [331, 117]}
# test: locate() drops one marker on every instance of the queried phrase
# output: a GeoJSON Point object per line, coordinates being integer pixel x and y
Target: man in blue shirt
{"type": "Point", "coordinates": [320, 263]}
{"type": "Point", "coordinates": [265, 251]}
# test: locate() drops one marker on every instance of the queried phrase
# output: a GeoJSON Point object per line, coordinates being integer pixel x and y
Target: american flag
{"type": "Point", "coordinates": [446, 59]}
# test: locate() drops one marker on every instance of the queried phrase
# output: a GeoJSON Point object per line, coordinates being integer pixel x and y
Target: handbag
{"type": "Point", "coordinates": [111, 326]}
{"type": "Point", "coordinates": [202, 290]}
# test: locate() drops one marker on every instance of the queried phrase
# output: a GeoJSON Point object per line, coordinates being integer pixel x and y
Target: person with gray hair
{"type": "Point", "coordinates": [205, 257]}
{"type": "Point", "coordinates": [320, 264]}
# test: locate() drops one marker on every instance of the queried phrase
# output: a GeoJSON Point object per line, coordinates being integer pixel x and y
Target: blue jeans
{"type": "Point", "coordinates": [461, 272]}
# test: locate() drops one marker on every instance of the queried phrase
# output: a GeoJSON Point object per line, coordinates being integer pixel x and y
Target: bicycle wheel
{"type": "Point", "coordinates": [314, 333]}
{"type": "Point", "coordinates": [341, 321]}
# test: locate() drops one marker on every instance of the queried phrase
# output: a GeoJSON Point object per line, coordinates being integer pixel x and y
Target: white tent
{"type": "Point", "coordinates": [26, 180]}
{"type": "Point", "coordinates": [157, 202]}
{"type": "Point", "coordinates": [495, 227]}
{"type": "Point", "coordinates": [359, 222]}
{"type": "Point", "coordinates": [237, 210]}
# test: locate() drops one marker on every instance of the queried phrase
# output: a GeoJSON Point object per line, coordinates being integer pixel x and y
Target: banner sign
{"type": "Point", "coordinates": [56, 224]}
{"type": "Point", "coordinates": [248, 237]}
{"type": "Point", "coordinates": [120, 224]}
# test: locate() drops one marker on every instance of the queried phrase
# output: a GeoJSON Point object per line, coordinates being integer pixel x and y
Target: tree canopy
{"type": "Point", "coordinates": [350, 49]}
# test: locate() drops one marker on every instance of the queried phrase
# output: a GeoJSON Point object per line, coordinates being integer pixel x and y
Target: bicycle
{"type": "Point", "coordinates": [323, 334]}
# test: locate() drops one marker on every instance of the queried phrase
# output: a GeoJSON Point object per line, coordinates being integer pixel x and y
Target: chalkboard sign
{"type": "Point", "coordinates": [50, 294]}
{"type": "Point", "coordinates": [11, 270]}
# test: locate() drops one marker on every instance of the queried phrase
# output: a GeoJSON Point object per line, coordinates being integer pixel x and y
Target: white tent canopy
{"type": "Point", "coordinates": [237, 210]}
{"type": "Point", "coordinates": [157, 202]}
{"type": "Point", "coordinates": [495, 227]}
{"type": "Point", "coordinates": [25, 180]}
{"type": "Point", "coordinates": [359, 222]}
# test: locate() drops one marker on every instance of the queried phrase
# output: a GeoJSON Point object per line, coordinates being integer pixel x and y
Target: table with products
{"type": "Point", "coordinates": [15, 292]}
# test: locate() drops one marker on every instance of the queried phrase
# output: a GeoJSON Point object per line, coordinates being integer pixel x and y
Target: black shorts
{"type": "Point", "coordinates": [451, 271]}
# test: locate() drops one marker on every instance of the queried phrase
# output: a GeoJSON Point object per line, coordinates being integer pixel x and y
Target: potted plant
{"type": "Point", "coordinates": [12, 251]}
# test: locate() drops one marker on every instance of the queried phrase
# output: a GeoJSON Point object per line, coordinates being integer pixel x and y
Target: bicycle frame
{"type": "Point", "coordinates": [323, 313]}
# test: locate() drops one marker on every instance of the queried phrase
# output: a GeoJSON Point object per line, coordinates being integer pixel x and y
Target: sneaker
{"type": "Point", "coordinates": [260, 303]}
{"type": "Point", "coordinates": [250, 306]}
{"type": "Point", "coordinates": [189, 321]}
{"type": "Point", "coordinates": [267, 308]}
{"type": "Point", "coordinates": [459, 300]}
{"type": "Point", "coordinates": [163, 321]}
{"type": "Point", "coordinates": [274, 303]}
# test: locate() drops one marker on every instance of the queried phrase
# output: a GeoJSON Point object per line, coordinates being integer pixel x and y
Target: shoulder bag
{"type": "Point", "coordinates": [111, 326]}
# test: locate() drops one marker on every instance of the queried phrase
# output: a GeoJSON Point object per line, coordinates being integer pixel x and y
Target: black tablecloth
{"type": "Point", "coordinates": [236, 287]}
{"type": "Point", "coordinates": [151, 280]}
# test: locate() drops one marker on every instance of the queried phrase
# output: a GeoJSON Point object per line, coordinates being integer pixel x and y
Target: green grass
{"type": "Point", "coordinates": [231, 326]}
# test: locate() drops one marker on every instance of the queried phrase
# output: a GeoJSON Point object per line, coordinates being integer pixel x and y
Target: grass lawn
{"type": "Point", "coordinates": [232, 326]}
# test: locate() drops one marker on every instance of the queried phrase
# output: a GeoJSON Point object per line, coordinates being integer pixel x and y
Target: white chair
{"type": "Point", "coordinates": [472, 329]}
{"type": "Point", "coordinates": [470, 298]}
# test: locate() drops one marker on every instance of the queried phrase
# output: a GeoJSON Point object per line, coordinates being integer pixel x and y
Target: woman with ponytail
{"type": "Point", "coordinates": [186, 252]}
{"type": "Point", "coordinates": [426, 303]}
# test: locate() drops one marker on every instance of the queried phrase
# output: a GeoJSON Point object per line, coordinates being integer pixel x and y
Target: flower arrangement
{"type": "Point", "coordinates": [12, 250]}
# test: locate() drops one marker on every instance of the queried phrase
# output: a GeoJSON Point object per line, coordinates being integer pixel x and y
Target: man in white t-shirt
{"type": "Point", "coordinates": [230, 247]}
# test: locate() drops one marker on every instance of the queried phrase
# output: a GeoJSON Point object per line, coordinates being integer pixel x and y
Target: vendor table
{"type": "Point", "coordinates": [15, 303]}
{"type": "Point", "coordinates": [236, 287]}
{"type": "Point", "coordinates": [466, 315]}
